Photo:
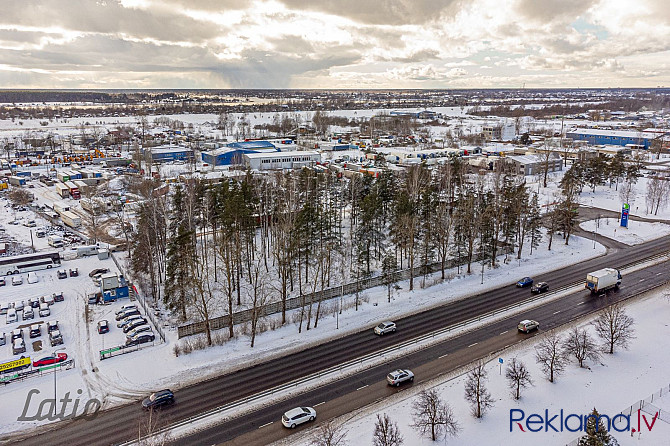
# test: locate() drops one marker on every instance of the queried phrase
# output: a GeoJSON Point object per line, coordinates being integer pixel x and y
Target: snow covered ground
{"type": "Point", "coordinates": [612, 385]}
{"type": "Point", "coordinates": [128, 377]}
{"type": "Point", "coordinates": [637, 231]}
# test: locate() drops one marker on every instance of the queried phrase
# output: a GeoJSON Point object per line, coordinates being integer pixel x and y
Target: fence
{"type": "Point", "coordinates": [33, 372]}
{"type": "Point", "coordinates": [139, 298]}
{"type": "Point", "coordinates": [121, 350]}
{"type": "Point", "coordinates": [239, 317]}
{"type": "Point", "coordinates": [646, 406]}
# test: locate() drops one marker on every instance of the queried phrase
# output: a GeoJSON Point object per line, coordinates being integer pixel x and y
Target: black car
{"type": "Point", "coordinates": [539, 287]}
{"type": "Point", "coordinates": [103, 326]}
{"type": "Point", "coordinates": [98, 271]}
{"type": "Point", "coordinates": [74, 272]}
{"type": "Point", "coordinates": [158, 399]}
{"type": "Point", "coordinates": [58, 297]}
{"type": "Point", "coordinates": [140, 338]}
{"type": "Point", "coordinates": [62, 274]}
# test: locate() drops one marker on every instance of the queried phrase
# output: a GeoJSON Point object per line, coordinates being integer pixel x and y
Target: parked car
{"type": "Point", "coordinates": [18, 346]}
{"type": "Point", "coordinates": [28, 313]}
{"type": "Point", "coordinates": [35, 331]}
{"type": "Point", "coordinates": [34, 302]}
{"type": "Point", "coordinates": [127, 313]}
{"type": "Point", "coordinates": [397, 377]}
{"type": "Point", "coordinates": [131, 319]}
{"type": "Point", "coordinates": [32, 277]}
{"type": "Point", "coordinates": [49, 300]}
{"type": "Point", "coordinates": [29, 224]}
{"type": "Point", "coordinates": [130, 334]}
{"type": "Point", "coordinates": [17, 333]}
{"type": "Point", "coordinates": [540, 287]}
{"type": "Point", "coordinates": [52, 326]}
{"type": "Point", "coordinates": [4, 307]}
{"type": "Point", "coordinates": [141, 338]}
{"type": "Point", "coordinates": [19, 305]}
{"type": "Point", "coordinates": [58, 297]}
{"type": "Point", "coordinates": [62, 274]}
{"type": "Point", "coordinates": [135, 323]}
{"type": "Point", "coordinates": [11, 316]}
{"type": "Point", "coordinates": [55, 338]}
{"type": "Point", "coordinates": [103, 326]}
{"type": "Point", "coordinates": [526, 281]}
{"type": "Point", "coordinates": [3, 338]}
{"type": "Point", "coordinates": [2, 281]}
{"type": "Point", "coordinates": [74, 272]}
{"type": "Point", "coordinates": [44, 310]}
{"type": "Point", "coordinates": [297, 416]}
{"type": "Point", "coordinates": [98, 271]}
{"type": "Point", "coordinates": [17, 280]}
{"type": "Point", "coordinates": [528, 325]}
{"type": "Point", "coordinates": [385, 327]}
{"type": "Point", "coordinates": [158, 399]}
{"type": "Point", "coordinates": [48, 360]}
{"type": "Point", "coordinates": [124, 308]}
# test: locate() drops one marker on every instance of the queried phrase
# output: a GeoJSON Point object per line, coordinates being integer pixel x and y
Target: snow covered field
{"type": "Point", "coordinates": [637, 231]}
{"type": "Point", "coordinates": [612, 385]}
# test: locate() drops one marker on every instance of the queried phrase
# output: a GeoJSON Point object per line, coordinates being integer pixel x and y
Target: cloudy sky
{"type": "Point", "coordinates": [334, 43]}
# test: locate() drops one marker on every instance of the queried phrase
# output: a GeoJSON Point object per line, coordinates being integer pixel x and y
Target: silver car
{"type": "Point", "coordinates": [397, 377]}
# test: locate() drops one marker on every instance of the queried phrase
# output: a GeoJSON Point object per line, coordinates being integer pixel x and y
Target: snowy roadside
{"type": "Point", "coordinates": [637, 231]}
{"type": "Point", "coordinates": [612, 385]}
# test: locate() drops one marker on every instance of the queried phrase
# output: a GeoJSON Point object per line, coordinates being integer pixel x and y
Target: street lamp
{"type": "Point", "coordinates": [55, 397]}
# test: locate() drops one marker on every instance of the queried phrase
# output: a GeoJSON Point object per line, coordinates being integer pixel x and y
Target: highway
{"type": "Point", "coordinates": [121, 424]}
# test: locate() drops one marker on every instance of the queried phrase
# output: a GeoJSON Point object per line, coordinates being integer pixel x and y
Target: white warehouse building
{"type": "Point", "coordinates": [281, 160]}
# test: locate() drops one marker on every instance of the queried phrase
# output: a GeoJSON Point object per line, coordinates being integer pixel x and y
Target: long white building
{"type": "Point", "coordinates": [280, 160]}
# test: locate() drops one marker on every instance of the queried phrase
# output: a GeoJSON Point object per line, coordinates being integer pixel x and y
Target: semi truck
{"type": "Point", "coordinates": [71, 219]}
{"type": "Point", "coordinates": [62, 190]}
{"type": "Point", "coordinates": [74, 190]}
{"type": "Point", "coordinates": [603, 280]}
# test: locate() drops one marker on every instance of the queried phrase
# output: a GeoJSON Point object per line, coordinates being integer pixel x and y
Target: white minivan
{"type": "Point", "coordinates": [11, 316]}
{"type": "Point", "coordinates": [32, 277]}
{"type": "Point", "coordinates": [44, 310]}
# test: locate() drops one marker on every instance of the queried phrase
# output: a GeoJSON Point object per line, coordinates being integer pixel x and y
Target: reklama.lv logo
{"type": "Point", "coordinates": [573, 422]}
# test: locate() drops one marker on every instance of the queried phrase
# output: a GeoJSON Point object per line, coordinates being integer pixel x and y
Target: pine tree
{"type": "Point", "coordinates": [596, 432]}
{"type": "Point", "coordinates": [534, 220]}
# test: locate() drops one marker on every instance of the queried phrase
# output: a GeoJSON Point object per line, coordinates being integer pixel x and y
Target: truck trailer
{"type": "Point", "coordinates": [74, 190]}
{"type": "Point", "coordinates": [62, 190]}
{"type": "Point", "coordinates": [71, 219]}
{"type": "Point", "coordinates": [17, 181]}
{"type": "Point", "coordinates": [603, 280]}
{"type": "Point", "coordinates": [60, 207]}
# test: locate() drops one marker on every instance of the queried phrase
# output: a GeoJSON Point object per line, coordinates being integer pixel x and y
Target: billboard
{"type": "Point", "coordinates": [624, 214]}
{"type": "Point", "coordinates": [17, 364]}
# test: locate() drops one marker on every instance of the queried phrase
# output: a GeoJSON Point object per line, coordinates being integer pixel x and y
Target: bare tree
{"type": "Point", "coordinates": [658, 190]}
{"type": "Point", "coordinates": [549, 353]}
{"type": "Point", "coordinates": [581, 345]}
{"type": "Point", "coordinates": [386, 432]}
{"type": "Point", "coordinates": [518, 377]}
{"type": "Point", "coordinates": [476, 392]}
{"type": "Point", "coordinates": [614, 327]}
{"type": "Point", "coordinates": [433, 415]}
{"type": "Point", "coordinates": [259, 293]}
{"type": "Point", "coordinates": [329, 434]}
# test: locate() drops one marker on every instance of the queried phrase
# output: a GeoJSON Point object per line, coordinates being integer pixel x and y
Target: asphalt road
{"type": "Point", "coordinates": [123, 423]}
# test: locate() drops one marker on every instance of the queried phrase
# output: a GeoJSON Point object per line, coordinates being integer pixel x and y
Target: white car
{"type": "Point", "coordinates": [17, 280]}
{"type": "Point", "coordinates": [297, 416]}
{"type": "Point", "coordinates": [385, 327]}
{"type": "Point", "coordinates": [397, 377]}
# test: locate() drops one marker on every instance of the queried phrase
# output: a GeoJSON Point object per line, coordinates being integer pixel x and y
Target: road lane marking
{"type": "Point", "coordinates": [556, 312]}
{"type": "Point", "coordinates": [322, 402]}
{"type": "Point", "coordinates": [658, 274]}
{"type": "Point", "coordinates": [472, 345]}
{"type": "Point", "coordinates": [363, 387]}
{"type": "Point", "coordinates": [581, 303]}
{"type": "Point", "coordinates": [503, 332]}
{"type": "Point", "coordinates": [266, 424]}
{"type": "Point", "coordinates": [446, 354]}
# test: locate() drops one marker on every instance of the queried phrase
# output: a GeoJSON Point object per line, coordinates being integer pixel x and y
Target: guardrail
{"type": "Point", "coordinates": [387, 351]}
{"type": "Point", "coordinates": [34, 372]}
{"type": "Point", "coordinates": [121, 350]}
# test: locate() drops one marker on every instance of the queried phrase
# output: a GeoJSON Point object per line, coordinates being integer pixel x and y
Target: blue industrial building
{"type": "Point", "coordinates": [614, 137]}
{"type": "Point", "coordinates": [170, 153]}
{"type": "Point", "coordinates": [232, 152]}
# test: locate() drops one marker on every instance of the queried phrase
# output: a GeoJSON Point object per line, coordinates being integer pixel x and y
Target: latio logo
{"type": "Point", "coordinates": [573, 422]}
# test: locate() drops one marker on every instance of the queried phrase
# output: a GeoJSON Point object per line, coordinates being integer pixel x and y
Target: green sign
{"type": "Point", "coordinates": [626, 206]}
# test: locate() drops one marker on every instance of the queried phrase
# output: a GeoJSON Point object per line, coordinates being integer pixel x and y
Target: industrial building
{"type": "Point", "coordinates": [233, 152]}
{"type": "Point", "coordinates": [505, 131]}
{"type": "Point", "coordinates": [170, 153]}
{"type": "Point", "coordinates": [631, 138]}
{"type": "Point", "coordinates": [280, 160]}
{"type": "Point", "coordinates": [533, 164]}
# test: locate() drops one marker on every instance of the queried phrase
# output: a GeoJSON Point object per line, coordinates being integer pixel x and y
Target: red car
{"type": "Point", "coordinates": [48, 360]}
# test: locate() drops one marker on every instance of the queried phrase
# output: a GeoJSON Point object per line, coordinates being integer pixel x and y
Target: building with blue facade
{"type": "Point", "coordinates": [614, 137]}
{"type": "Point", "coordinates": [233, 152]}
{"type": "Point", "coordinates": [170, 153]}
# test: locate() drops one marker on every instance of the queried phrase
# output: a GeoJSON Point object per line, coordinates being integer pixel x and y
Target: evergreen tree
{"type": "Point", "coordinates": [534, 221]}
{"type": "Point", "coordinates": [596, 432]}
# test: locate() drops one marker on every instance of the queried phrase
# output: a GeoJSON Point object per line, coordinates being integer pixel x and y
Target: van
{"type": "Point", "coordinates": [11, 316]}
{"type": "Point", "coordinates": [32, 277]}
{"type": "Point", "coordinates": [44, 310]}
{"type": "Point", "coordinates": [55, 241]}
{"type": "Point", "coordinates": [18, 346]}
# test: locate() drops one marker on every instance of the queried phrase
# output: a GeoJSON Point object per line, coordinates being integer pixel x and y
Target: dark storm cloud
{"type": "Point", "coordinates": [378, 12]}
{"type": "Point", "coordinates": [106, 17]}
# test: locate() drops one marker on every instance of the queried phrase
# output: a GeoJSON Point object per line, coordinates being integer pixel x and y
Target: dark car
{"type": "Point", "coordinates": [58, 297]}
{"type": "Point", "coordinates": [539, 287]}
{"type": "Point", "coordinates": [98, 271]}
{"type": "Point", "coordinates": [74, 272]}
{"type": "Point", "coordinates": [127, 313]}
{"type": "Point", "coordinates": [60, 357]}
{"type": "Point", "coordinates": [2, 281]}
{"type": "Point", "coordinates": [103, 326]}
{"type": "Point", "coordinates": [62, 274]}
{"type": "Point", "coordinates": [526, 281]}
{"type": "Point", "coordinates": [34, 302]}
{"type": "Point", "coordinates": [158, 399]}
{"type": "Point", "coordinates": [141, 338]}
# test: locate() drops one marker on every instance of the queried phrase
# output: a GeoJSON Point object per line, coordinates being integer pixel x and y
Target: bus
{"type": "Point", "coordinates": [28, 262]}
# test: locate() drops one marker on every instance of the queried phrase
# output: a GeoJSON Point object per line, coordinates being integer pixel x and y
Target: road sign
{"type": "Point", "coordinates": [624, 215]}
{"type": "Point", "coordinates": [500, 360]}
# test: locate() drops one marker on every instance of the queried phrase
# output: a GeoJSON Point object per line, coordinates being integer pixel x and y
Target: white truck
{"type": "Point", "coordinates": [70, 219]}
{"type": "Point", "coordinates": [55, 240]}
{"type": "Point", "coordinates": [603, 280]}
